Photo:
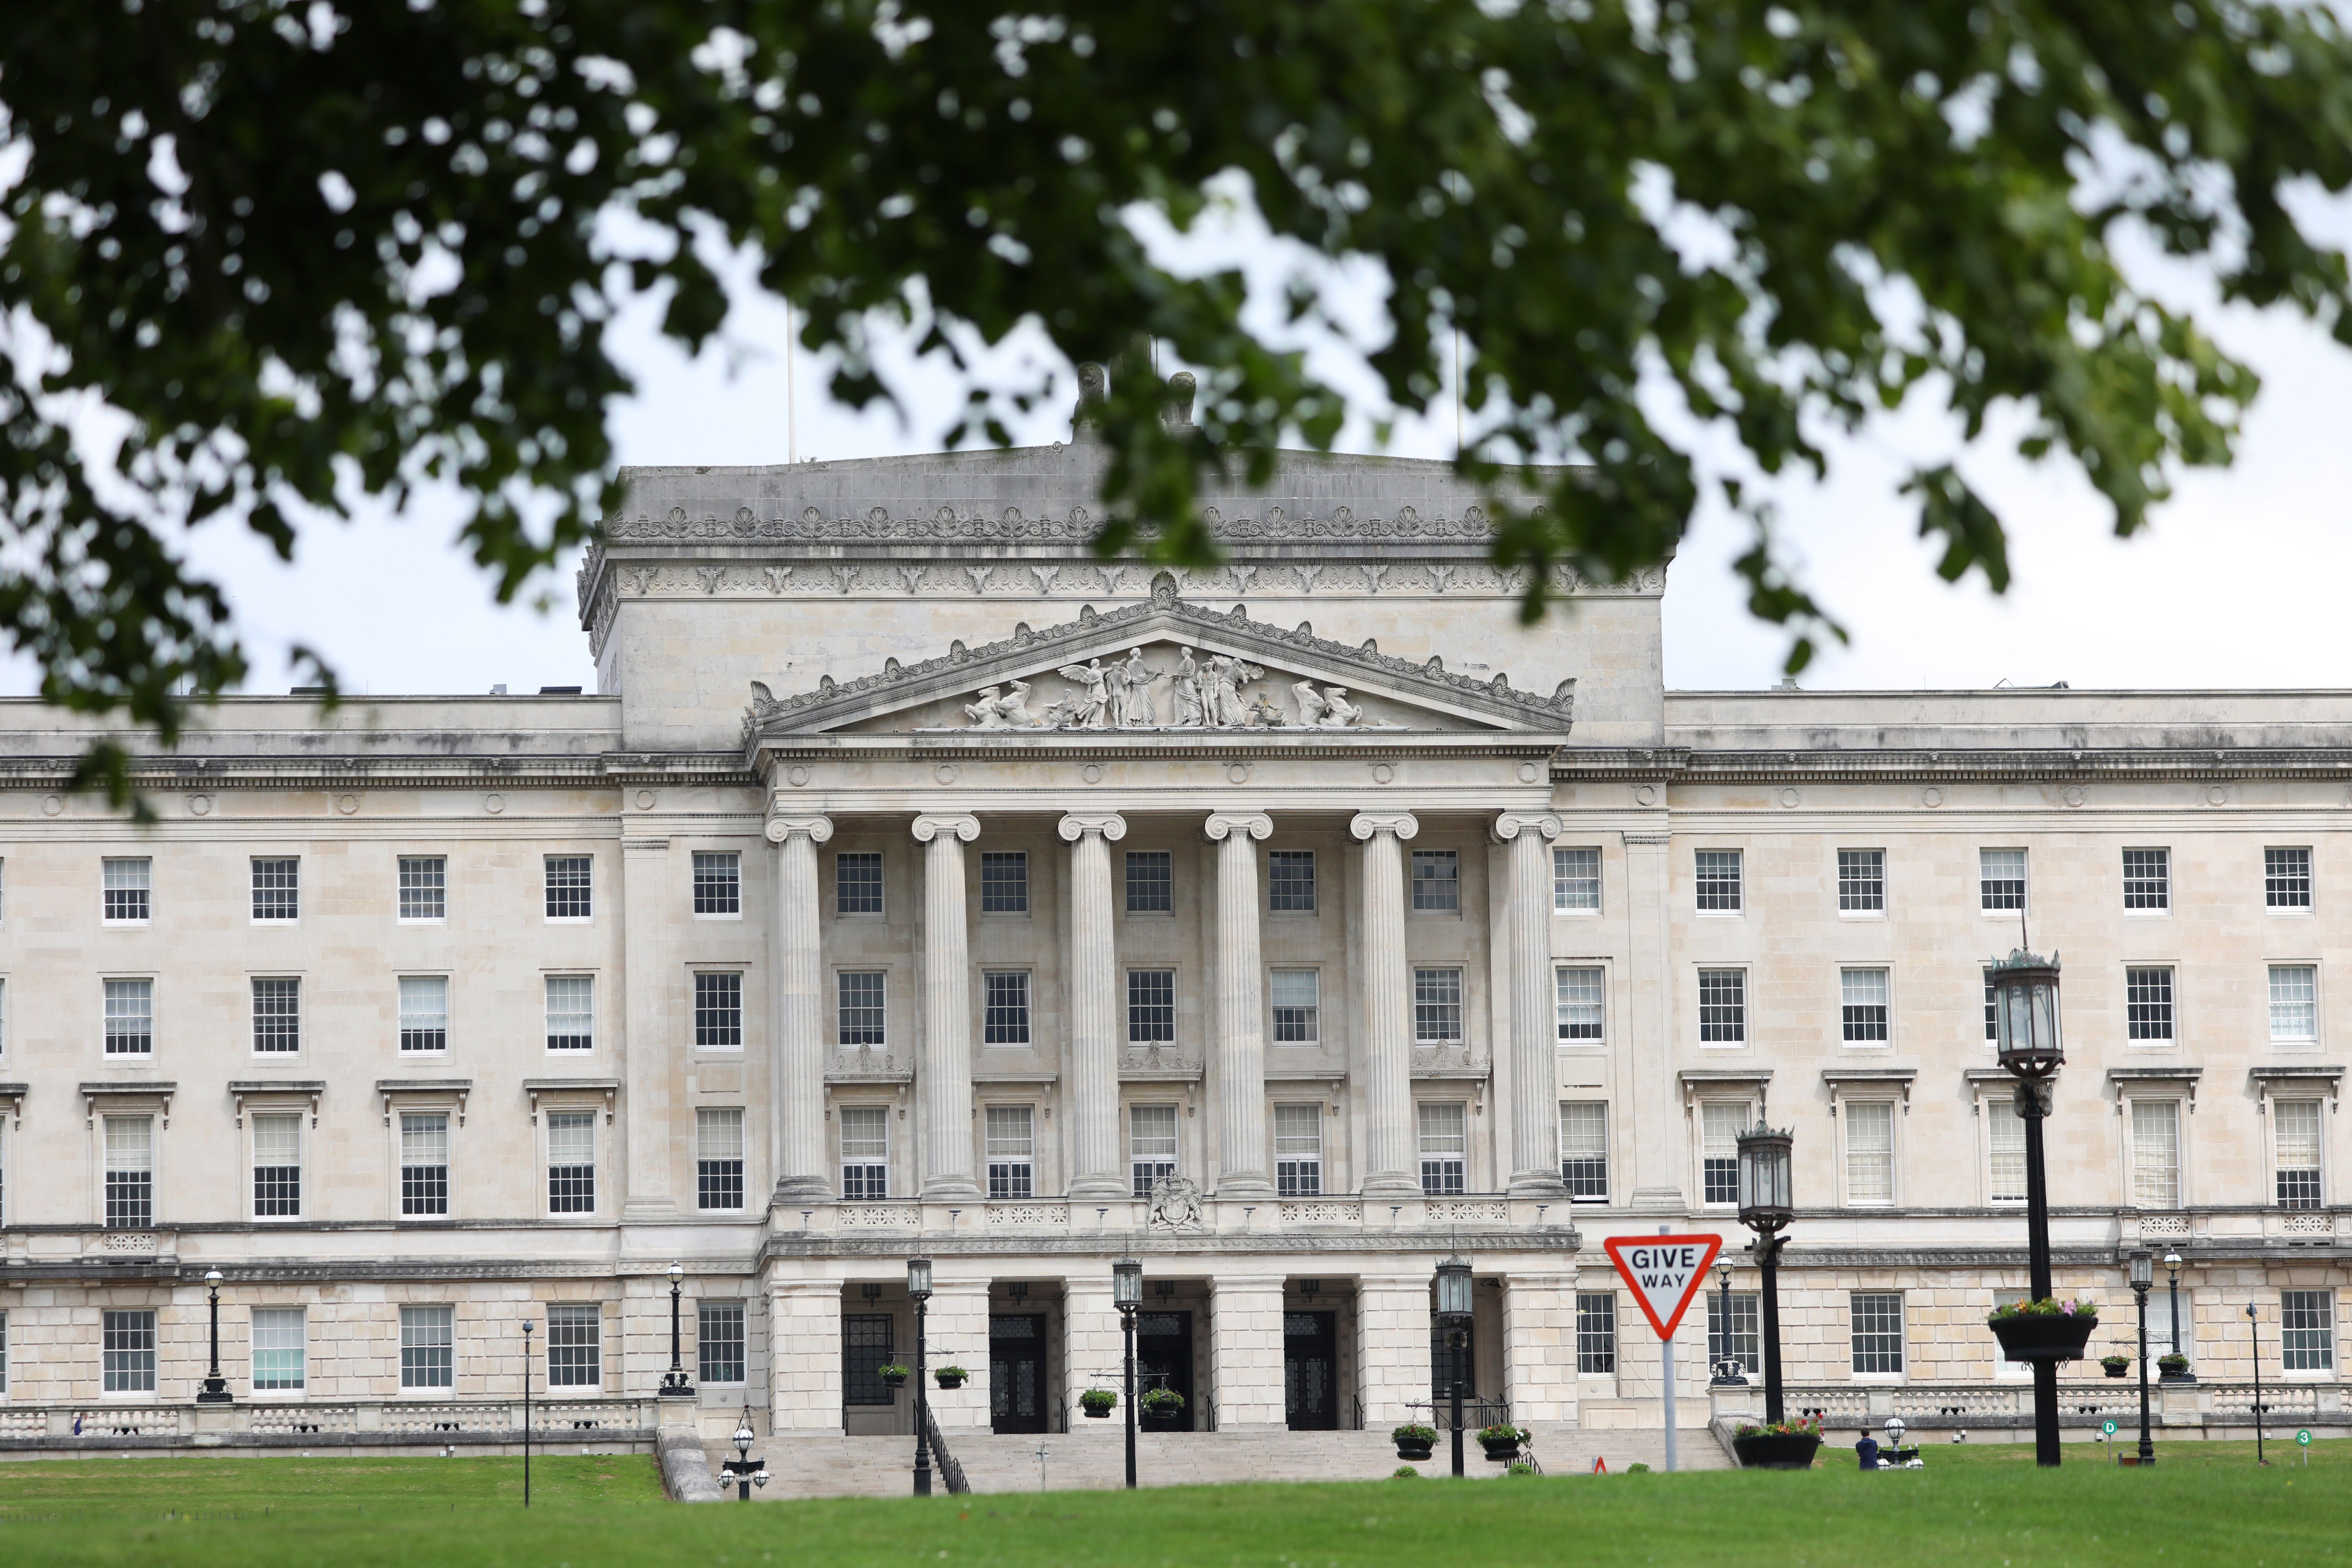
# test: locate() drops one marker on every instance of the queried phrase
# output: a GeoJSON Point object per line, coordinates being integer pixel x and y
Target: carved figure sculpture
{"type": "Point", "coordinates": [1015, 708]}
{"type": "Point", "coordinates": [1184, 693]}
{"type": "Point", "coordinates": [1094, 710]}
{"type": "Point", "coordinates": [984, 714]}
{"type": "Point", "coordinates": [1342, 714]}
{"type": "Point", "coordinates": [1227, 676]}
{"type": "Point", "coordinates": [1264, 714]}
{"type": "Point", "coordinates": [1175, 1205]}
{"type": "Point", "coordinates": [1139, 712]}
{"type": "Point", "coordinates": [1312, 708]}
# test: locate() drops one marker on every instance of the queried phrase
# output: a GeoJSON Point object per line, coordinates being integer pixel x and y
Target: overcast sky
{"type": "Point", "coordinates": [2238, 583]}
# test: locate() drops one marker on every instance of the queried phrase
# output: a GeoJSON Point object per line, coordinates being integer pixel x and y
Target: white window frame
{"type": "Point", "coordinates": [1562, 1004]}
{"type": "Point", "coordinates": [866, 1160]}
{"type": "Point", "coordinates": [255, 1115]}
{"type": "Point", "coordinates": [155, 1045]}
{"type": "Point", "coordinates": [154, 1156]}
{"type": "Point", "coordinates": [2270, 971]}
{"type": "Point", "coordinates": [1901, 1332]}
{"type": "Point", "coordinates": [710, 1150]}
{"type": "Point", "coordinates": [253, 865]}
{"type": "Point", "coordinates": [2130, 1103]}
{"type": "Point", "coordinates": [694, 883]}
{"type": "Point", "coordinates": [546, 886]}
{"type": "Point", "coordinates": [695, 975]}
{"type": "Point", "coordinates": [1028, 1040]}
{"type": "Point", "coordinates": [145, 884]}
{"type": "Point", "coordinates": [447, 1111]}
{"type": "Point", "coordinates": [1746, 1039]}
{"type": "Point", "coordinates": [2330, 1325]}
{"type": "Point", "coordinates": [407, 920]}
{"type": "Point", "coordinates": [1424, 1156]}
{"type": "Point", "coordinates": [2310, 907]}
{"type": "Point", "coordinates": [1560, 878]}
{"type": "Point", "coordinates": [1991, 1097]}
{"type": "Point", "coordinates": [571, 1314]}
{"type": "Point", "coordinates": [422, 1325]}
{"type": "Point", "coordinates": [1738, 909]}
{"type": "Point", "coordinates": [1460, 1004]}
{"type": "Point", "coordinates": [1837, 879]}
{"type": "Point", "coordinates": [1157, 1162]}
{"type": "Point", "coordinates": [572, 1113]}
{"type": "Point", "coordinates": [1587, 1122]}
{"type": "Point", "coordinates": [881, 861]}
{"type": "Point", "coordinates": [2275, 1096]}
{"type": "Point", "coordinates": [1313, 908]}
{"type": "Point", "coordinates": [2170, 1039]}
{"type": "Point", "coordinates": [2025, 883]}
{"type": "Point", "coordinates": [841, 1030]}
{"type": "Point", "coordinates": [1435, 855]}
{"type": "Point", "coordinates": [278, 1317]}
{"type": "Point", "coordinates": [1872, 1106]}
{"type": "Point", "coordinates": [1885, 972]}
{"type": "Point", "coordinates": [1276, 1007]}
{"type": "Point", "coordinates": [2160, 912]}
{"type": "Point", "coordinates": [1745, 1107]}
{"type": "Point", "coordinates": [547, 983]}
{"type": "Point", "coordinates": [400, 1015]}
{"type": "Point", "coordinates": [1307, 1178]}
{"type": "Point", "coordinates": [1020, 1168]}
{"type": "Point", "coordinates": [253, 985]}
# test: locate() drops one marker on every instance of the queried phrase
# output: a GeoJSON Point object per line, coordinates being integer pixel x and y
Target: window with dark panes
{"type": "Point", "coordinates": [857, 882]}
{"type": "Point", "coordinates": [1151, 882]}
{"type": "Point", "coordinates": [717, 882]}
{"type": "Point", "coordinates": [718, 1010]}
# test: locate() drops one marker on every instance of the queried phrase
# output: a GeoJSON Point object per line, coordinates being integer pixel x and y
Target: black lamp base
{"type": "Point", "coordinates": [673, 1386]}
{"type": "Point", "coordinates": [214, 1392]}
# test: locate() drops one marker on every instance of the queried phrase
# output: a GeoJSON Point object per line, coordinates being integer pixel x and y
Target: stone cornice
{"type": "Point", "coordinates": [1961, 765]}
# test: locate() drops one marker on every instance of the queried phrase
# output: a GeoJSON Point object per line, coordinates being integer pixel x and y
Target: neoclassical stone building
{"type": "Point", "coordinates": [917, 883]}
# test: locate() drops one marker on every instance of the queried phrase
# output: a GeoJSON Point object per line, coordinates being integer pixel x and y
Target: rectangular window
{"type": "Point", "coordinates": [1862, 882]}
{"type": "Point", "coordinates": [1596, 1331]}
{"type": "Point", "coordinates": [1740, 1341]}
{"type": "Point", "coordinates": [1584, 1150]}
{"type": "Point", "coordinates": [1005, 1012]}
{"type": "Point", "coordinates": [1012, 1149]}
{"type": "Point", "coordinates": [861, 1006]}
{"type": "Point", "coordinates": [575, 1333]}
{"type": "Point", "coordinates": [1298, 1150]}
{"type": "Point", "coordinates": [718, 1340]}
{"type": "Point", "coordinates": [424, 888]}
{"type": "Point", "coordinates": [1004, 882]}
{"type": "Point", "coordinates": [1290, 882]}
{"type": "Point", "coordinates": [1877, 1330]}
{"type": "Point", "coordinates": [276, 1166]}
{"type": "Point", "coordinates": [277, 1016]}
{"type": "Point", "coordinates": [130, 1018]}
{"type": "Point", "coordinates": [1444, 1146]}
{"type": "Point", "coordinates": [2296, 1129]}
{"type": "Point", "coordinates": [867, 1345]}
{"type": "Point", "coordinates": [2000, 879]}
{"type": "Point", "coordinates": [1150, 889]}
{"type": "Point", "coordinates": [277, 1348]}
{"type": "Point", "coordinates": [1862, 992]}
{"type": "Point", "coordinates": [277, 889]}
{"type": "Point", "coordinates": [2307, 1329]}
{"type": "Point", "coordinates": [2147, 879]}
{"type": "Point", "coordinates": [130, 1172]}
{"type": "Point", "coordinates": [1436, 881]}
{"type": "Point", "coordinates": [1151, 1145]}
{"type": "Point", "coordinates": [129, 891]}
{"type": "Point", "coordinates": [1151, 1006]}
{"type": "Point", "coordinates": [1992, 1009]}
{"type": "Point", "coordinates": [1297, 1006]}
{"type": "Point", "coordinates": [865, 1152]}
{"type": "Point", "coordinates": [423, 1012]}
{"type": "Point", "coordinates": [1723, 1006]}
{"type": "Point", "coordinates": [1576, 880]}
{"type": "Point", "coordinates": [127, 1352]}
{"type": "Point", "coordinates": [1720, 1123]}
{"type": "Point", "coordinates": [2156, 1153]}
{"type": "Point", "coordinates": [428, 1347]}
{"type": "Point", "coordinates": [568, 891]}
{"type": "Point", "coordinates": [425, 1162]}
{"type": "Point", "coordinates": [572, 1162]}
{"type": "Point", "coordinates": [2295, 1003]}
{"type": "Point", "coordinates": [2286, 878]}
{"type": "Point", "coordinates": [570, 1013]}
{"type": "Point", "coordinates": [1719, 887]}
{"type": "Point", "coordinates": [857, 882]}
{"type": "Point", "coordinates": [2005, 1140]}
{"type": "Point", "coordinates": [1436, 1006]}
{"type": "Point", "coordinates": [718, 1157]}
{"type": "Point", "coordinates": [1870, 1152]}
{"type": "Point", "coordinates": [2148, 1003]}
{"type": "Point", "coordinates": [717, 882]}
{"type": "Point", "coordinates": [719, 1011]}
{"type": "Point", "coordinates": [1577, 996]}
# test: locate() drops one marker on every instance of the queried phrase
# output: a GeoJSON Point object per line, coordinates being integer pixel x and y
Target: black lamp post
{"type": "Point", "coordinates": [1453, 1310]}
{"type": "Point", "coordinates": [2143, 1275]}
{"type": "Point", "coordinates": [675, 1383]}
{"type": "Point", "coordinates": [2172, 1269]}
{"type": "Point", "coordinates": [215, 1387]}
{"type": "Point", "coordinates": [1766, 1206]}
{"type": "Point", "coordinates": [744, 1470]}
{"type": "Point", "coordinates": [1126, 1295]}
{"type": "Point", "coordinates": [526, 1412]}
{"type": "Point", "coordinates": [2254, 1328]}
{"type": "Point", "coordinates": [2025, 1014]}
{"type": "Point", "coordinates": [918, 1291]}
{"type": "Point", "coordinates": [1729, 1368]}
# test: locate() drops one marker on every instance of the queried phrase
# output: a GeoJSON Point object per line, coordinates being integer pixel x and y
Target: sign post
{"type": "Point", "coordinates": [1665, 1274]}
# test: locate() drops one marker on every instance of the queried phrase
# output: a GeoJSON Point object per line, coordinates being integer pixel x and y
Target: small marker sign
{"type": "Point", "coordinates": [1665, 1273]}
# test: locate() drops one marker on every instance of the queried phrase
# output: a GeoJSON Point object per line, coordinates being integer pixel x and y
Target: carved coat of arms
{"type": "Point", "coordinates": [1175, 1205]}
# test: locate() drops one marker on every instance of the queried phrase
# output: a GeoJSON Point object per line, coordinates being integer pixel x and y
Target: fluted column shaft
{"type": "Point", "coordinates": [945, 1069]}
{"type": "Point", "coordinates": [1391, 1163]}
{"type": "Point", "coordinates": [1241, 1010]}
{"type": "Point", "coordinates": [1534, 1092]}
{"type": "Point", "coordinates": [802, 1168]}
{"type": "Point", "coordinates": [1092, 1067]}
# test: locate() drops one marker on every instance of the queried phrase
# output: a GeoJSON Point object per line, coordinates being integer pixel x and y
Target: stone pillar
{"type": "Point", "coordinates": [1535, 1077]}
{"type": "Point", "coordinates": [945, 1065]}
{"type": "Point", "coordinates": [1091, 1349]}
{"type": "Point", "coordinates": [802, 1168]}
{"type": "Point", "coordinates": [1391, 1163]}
{"type": "Point", "coordinates": [645, 1045]}
{"type": "Point", "coordinates": [1245, 1325]}
{"type": "Point", "coordinates": [1092, 1064]}
{"type": "Point", "coordinates": [804, 1357]}
{"type": "Point", "coordinates": [1240, 1047]}
{"type": "Point", "coordinates": [1539, 1346]}
{"type": "Point", "coordinates": [956, 1334]}
{"type": "Point", "coordinates": [1645, 1050]}
{"type": "Point", "coordinates": [1393, 1348]}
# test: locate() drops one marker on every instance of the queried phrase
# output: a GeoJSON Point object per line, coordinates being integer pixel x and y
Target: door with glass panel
{"type": "Point", "coordinates": [1311, 1359]}
{"type": "Point", "coordinates": [1016, 1371]}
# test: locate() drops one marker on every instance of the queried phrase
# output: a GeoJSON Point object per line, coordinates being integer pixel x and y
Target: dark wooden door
{"type": "Point", "coordinates": [1163, 1359]}
{"type": "Point", "coordinates": [1016, 1371]}
{"type": "Point", "coordinates": [1310, 1364]}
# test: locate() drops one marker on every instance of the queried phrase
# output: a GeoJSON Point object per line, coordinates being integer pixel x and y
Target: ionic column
{"type": "Point", "coordinates": [1391, 1163]}
{"type": "Point", "coordinates": [1241, 1013]}
{"type": "Point", "coordinates": [1535, 1096]}
{"type": "Point", "coordinates": [1091, 1068]}
{"type": "Point", "coordinates": [801, 1164]}
{"type": "Point", "coordinates": [945, 1064]}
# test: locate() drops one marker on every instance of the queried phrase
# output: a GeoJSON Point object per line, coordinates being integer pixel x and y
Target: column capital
{"type": "Point", "coordinates": [781, 827]}
{"type": "Point", "coordinates": [1511, 824]}
{"type": "Point", "coordinates": [1078, 823]}
{"type": "Point", "coordinates": [1403, 824]}
{"type": "Point", "coordinates": [1222, 824]}
{"type": "Point", "coordinates": [930, 826]}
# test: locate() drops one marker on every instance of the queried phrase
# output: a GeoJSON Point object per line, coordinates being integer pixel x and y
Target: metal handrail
{"type": "Point", "coordinates": [949, 1471]}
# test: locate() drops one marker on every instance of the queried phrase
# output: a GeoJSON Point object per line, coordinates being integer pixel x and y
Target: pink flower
{"type": "Point", "coordinates": [2070, 1306]}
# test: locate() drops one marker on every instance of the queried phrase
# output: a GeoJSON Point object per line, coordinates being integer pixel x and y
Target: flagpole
{"type": "Point", "coordinates": [1666, 1370]}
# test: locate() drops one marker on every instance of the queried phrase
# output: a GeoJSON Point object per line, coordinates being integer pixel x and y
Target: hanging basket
{"type": "Point", "coordinates": [2034, 1336]}
{"type": "Point", "coordinates": [1776, 1451]}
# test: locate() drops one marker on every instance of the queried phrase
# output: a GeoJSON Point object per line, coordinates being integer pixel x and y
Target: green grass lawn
{"type": "Point", "coordinates": [1984, 1505]}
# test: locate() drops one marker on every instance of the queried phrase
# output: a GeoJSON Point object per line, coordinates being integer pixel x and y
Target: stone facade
{"type": "Point", "coordinates": [918, 883]}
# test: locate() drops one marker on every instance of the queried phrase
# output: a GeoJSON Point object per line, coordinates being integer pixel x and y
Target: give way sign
{"type": "Point", "coordinates": [1664, 1273]}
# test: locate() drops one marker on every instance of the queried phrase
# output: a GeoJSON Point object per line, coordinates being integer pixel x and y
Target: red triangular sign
{"type": "Point", "coordinates": [1665, 1273]}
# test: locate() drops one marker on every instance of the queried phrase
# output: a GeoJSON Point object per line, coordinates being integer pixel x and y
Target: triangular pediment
{"type": "Point", "coordinates": [1160, 665]}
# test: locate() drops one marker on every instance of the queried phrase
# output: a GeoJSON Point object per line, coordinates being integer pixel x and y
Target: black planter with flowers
{"type": "Point", "coordinates": [2044, 1330]}
{"type": "Point", "coordinates": [1777, 1445]}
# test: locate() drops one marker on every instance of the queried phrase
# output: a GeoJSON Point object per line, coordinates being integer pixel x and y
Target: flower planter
{"type": "Point", "coordinates": [1776, 1451]}
{"type": "Point", "coordinates": [894, 1380]}
{"type": "Point", "coordinates": [2123, 1371]}
{"type": "Point", "coordinates": [1172, 1422]}
{"type": "Point", "coordinates": [1501, 1453]}
{"type": "Point", "coordinates": [949, 1379]}
{"type": "Point", "coordinates": [2183, 1375]}
{"type": "Point", "coordinates": [1094, 1415]}
{"type": "Point", "coordinates": [1415, 1448]}
{"type": "Point", "coordinates": [2030, 1337]}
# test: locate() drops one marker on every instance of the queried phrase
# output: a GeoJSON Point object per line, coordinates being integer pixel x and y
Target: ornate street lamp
{"type": "Point", "coordinates": [2254, 1333]}
{"type": "Point", "coordinates": [744, 1470]}
{"type": "Point", "coordinates": [918, 1290]}
{"type": "Point", "coordinates": [1126, 1295]}
{"type": "Point", "coordinates": [2143, 1275]}
{"type": "Point", "coordinates": [675, 1383]}
{"type": "Point", "coordinates": [2025, 1018]}
{"type": "Point", "coordinates": [2172, 1269]}
{"type": "Point", "coordinates": [1766, 1207]}
{"type": "Point", "coordinates": [1729, 1368]}
{"type": "Point", "coordinates": [1453, 1312]}
{"type": "Point", "coordinates": [526, 1326]}
{"type": "Point", "coordinates": [215, 1387]}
